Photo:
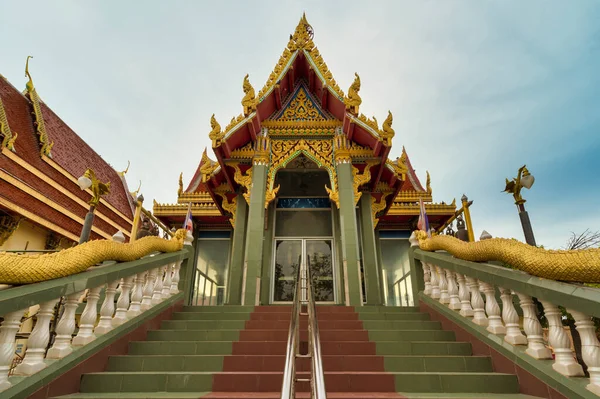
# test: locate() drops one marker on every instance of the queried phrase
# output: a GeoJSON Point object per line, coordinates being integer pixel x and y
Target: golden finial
{"type": "Point", "coordinates": [180, 191]}
{"type": "Point", "coordinates": [353, 100]}
{"type": "Point", "coordinates": [453, 202]}
{"type": "Point", "coordinates": [249, 100]}
{"type": "Point", "coordinates": [302, 37]}
{"type": "Point", "coordinates": [29, 84]}
{"type": "Point", "coordinates": [387, 133]}
{"type": "Point", "coordinates": [215, 134]}
{"type": "Point", "coordinates": [122, 174]}
{"type": "Point", "coordinates": [428, 184]}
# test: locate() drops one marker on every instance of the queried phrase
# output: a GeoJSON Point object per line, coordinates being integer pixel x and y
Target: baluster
{"type": "Point", "coordinates": [158, 286]}
{"type": "Point", "coordinates": [38, 341]}
{"type": "Point", "coordinates": [452, 290]}
{"type": "Point", "coordinates": [444, 298]}
{"type": "Point", "coordinates": [590, 348]}
{"type": "Point", "coordinates": [533, 329]}
{"type": "Point", "coordinates": [427, 278]}
{"type": "Point", "coordinates": [435, 283]}
{"type": "Point", "coordinates": [464, 295]}
{"type": "Point", "coordinates": [148, 289]}
{"type": "Point", "coordinates": [108, 309]}
{"type": "Point", "coordinates": [121, 315]}
{"type": "Point", "coordinates": [492, 309]}
{"type": "Point", "coordinates": [175, 283]}
{"type": "Point", "coordinates": [166, 291]}
{"type": "Point", "coordinates": [8, 345]}
{"type": "Point", "coordinates": [88, 319]}
{"type": "Point", "coordinates": [137, 293]}
{"type": "Point", "coordinates": [564, 361]}
{"type": "Point", "coordinates": [64, 329]}
{"type": "Point", "coordinates": [513, 336]}
{"type": "Point", "coordinates": [477, 303]}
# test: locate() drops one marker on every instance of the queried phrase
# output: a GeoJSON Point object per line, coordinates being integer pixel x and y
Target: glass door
{"type": "Point", "coordinates": [288, 254]}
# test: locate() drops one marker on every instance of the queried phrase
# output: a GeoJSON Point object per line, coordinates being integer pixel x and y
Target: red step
{"type": "Point", "coordinates": [287, 316]}
{"type": "Point", "coordinates": [303, 395]}
{"type": "Point", "coordinates": [282, 335]}
{"type": "Point", "coordinates": [285, 325]}
{"type": "Point", "coordinates": [288, 309]}
{"type": "Point", "coordinates": [327, 348]}
{"type": "Point", "coordinates": [276, 363]}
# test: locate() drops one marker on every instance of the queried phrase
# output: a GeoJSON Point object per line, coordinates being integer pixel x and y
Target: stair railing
{"type": "Point", "coordinates": [317, 380]}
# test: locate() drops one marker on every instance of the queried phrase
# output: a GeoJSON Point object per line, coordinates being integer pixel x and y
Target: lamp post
{"type": "Point", "coordinates": [89, 180]}
{"type": "Point", "coordinates": [514, 186]}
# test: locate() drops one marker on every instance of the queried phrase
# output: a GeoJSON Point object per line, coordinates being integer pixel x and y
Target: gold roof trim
{"type": "Point", "coordinates": [39, 118]}
{"type": "Point", "coordinates": [181, 209]}
{"type": "Point", "coordinates": [413, 196]}
{"type": "Point", "coordinates": [9, 138]}
{"type": "Point", "coordinates": [398, 209]}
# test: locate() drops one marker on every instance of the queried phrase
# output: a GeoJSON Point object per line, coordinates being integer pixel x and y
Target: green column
{"type": "Point", "coordinates": [236, 265]}
{"type": "Point", "coordinates": [349, 233]}
{"type": "Point", "coordinates": [369, 252]}
{"type": "Point", "coordinates": [255, 234]}
{"type": "Point", "coordinates": [267, 263]}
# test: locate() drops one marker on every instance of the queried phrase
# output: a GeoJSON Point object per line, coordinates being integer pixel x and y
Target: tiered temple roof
{"type": "Point", "coordinates": [298, 107]}
{"type": "Point", "coordinates": [41, 161]}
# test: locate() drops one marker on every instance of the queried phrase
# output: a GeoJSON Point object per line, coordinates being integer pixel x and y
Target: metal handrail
{"type": "Point", "coordinates": [317, 381]}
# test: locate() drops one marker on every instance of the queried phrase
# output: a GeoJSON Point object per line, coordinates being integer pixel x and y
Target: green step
{"type": "Point", "coordinates": [465, 382]}
{"type": "Point", "coordinates": [203, 324]}
{"type": "Point", "coordinates": [393, 316]}
{"type": "Point", "coordinates": [421, 395]}
{"type": "Point", "coordinates": [401, 325]}
{"type": "Point", "coordinates": [438, 364]}
{"type": "Point", "coordinates": [424, 348]}
{"type": "Point", "coordinates": [180, 348]}
{"type": "Point", "coordinates": [135, 395]}
{"type": "Point", "coordinates": [193, 335]}
{"type": "Point", "coordinates": [408, 335]}
{"type": "Point", "coordinates": [147, 382]}
{"type": "Point", "coordinates": [211, 316]}
{"type": "Point", "coordinates": [154, 363]}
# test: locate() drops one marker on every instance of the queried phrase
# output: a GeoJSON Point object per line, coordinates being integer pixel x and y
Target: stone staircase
{"type": "Point", "coordinates": [239, 352]}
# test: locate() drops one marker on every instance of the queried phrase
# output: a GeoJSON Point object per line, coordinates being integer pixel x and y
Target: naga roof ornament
{"type": "Point", "coordinates": [207, 167]}
{"type": "Point", "coordinates": [387, 133]}
{"type": "Point", "coordinates": [39, 119]}
{"type": "Point", "coordinates": [216, 135]}
{"type": "Point", "coordinates": [353, 100]}
{"type": "Point", "coordinates": [249, 100]}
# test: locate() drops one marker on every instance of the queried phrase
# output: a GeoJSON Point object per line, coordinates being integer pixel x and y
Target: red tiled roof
{"type": "Point", "coordinates": [413, 181]}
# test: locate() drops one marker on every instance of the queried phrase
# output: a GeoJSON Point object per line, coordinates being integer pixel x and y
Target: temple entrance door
{"type": "Point", "coordinates": [293, 253]}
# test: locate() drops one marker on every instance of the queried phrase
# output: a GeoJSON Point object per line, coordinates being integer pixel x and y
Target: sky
{"type": "Point", "coordinates": [477, 88]}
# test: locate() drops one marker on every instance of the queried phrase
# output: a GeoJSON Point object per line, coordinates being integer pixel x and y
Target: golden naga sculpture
{"type": "Point", "coordinates": [249, 100]}
{"type": "Point", "coordinates": [215, 134]}
{"type": "Point", "coordinates": [575, 265]}
{"type": "Point", "coordinates": [387, 133]}
{"type": "Point", "coordinates": [353, 100]}
{"type": "Point", "coordinates": [27, 269]}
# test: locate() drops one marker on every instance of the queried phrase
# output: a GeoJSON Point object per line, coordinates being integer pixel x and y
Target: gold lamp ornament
{"type": "Point", "coordinates": [89, 181]}
{"type": "Point", "coordinates": [524, 179]}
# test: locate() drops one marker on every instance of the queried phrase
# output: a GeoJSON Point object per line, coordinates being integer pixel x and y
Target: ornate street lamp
{"type": "Point", "coordinates": [89, 180]}
{"type": "Point", "coordinates": [523, 179]}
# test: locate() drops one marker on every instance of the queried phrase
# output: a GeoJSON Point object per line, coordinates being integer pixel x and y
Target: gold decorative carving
{"type": "Point", "coordinates": [319, 151]}
{"type": "Point", "coordinates": [230, 207]}
{"type": "Point", "coordinates": [8, 225]}
{"type": "Point", "coordinates": [246, 152]}
{"type": "Point", "coordinates": [243, 180]}
{"type": "Point", "coordinates": [270, 195]}
{"type": "Point", "coordinates": [353, 100]}
{"type": "Point", "coordinates": [361, 178]}
{"type": "Point", "coordinates": [233, 123]}
{"type": "Point", "coordinates": [207, 167]}
{"type": "Point", "coordinates": [581, 266]}
{"type": "Point", "coordinates": [249, 100]}
{"type": "Point", "coordinates": [342, 149]}
{"type": "Point", "coordinates": [180, 190]}
{"type": "Point", "coordinates": [46, 145]}
{"type": "Point", "coordinates": [377, 207]}
{"type": "Point", "coordinates": [301, 108]}
{"type": "Point", "coordinates": [387, 133]}
{"type": "Point", "coordinates": [216, 135]}
{"type": "Point", "coordinates": [9, 138]}
{"type": "Point", "coordinates": [358, 151]}
{"type": "Point", "coordinates": [372, 123]}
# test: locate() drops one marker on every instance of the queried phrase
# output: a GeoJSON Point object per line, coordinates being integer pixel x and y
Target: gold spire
{"type": "Point", "coordinates": [180, 191]}
{"type": "Point", "coordinates": [215, 134]}
{"type": "Point", "coordinates": [353, 100]}
{"type": "Point", "coordinates": [249, 100]}
{"type": "Point", "coordinates": [39, 118]}
{"type": "Point", "coordinates": [387, 133]}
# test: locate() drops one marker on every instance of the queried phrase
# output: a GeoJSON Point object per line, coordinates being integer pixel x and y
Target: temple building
{"type": "Point", "coordinates": [301, 177]}
{"type": "Point", "coordinates": [41, 204]}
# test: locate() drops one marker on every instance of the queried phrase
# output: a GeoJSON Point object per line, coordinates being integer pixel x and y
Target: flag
{"type": "Point", "coordinates": [423, 223]}
{"type": "Point", "coordinates": [188, 224]}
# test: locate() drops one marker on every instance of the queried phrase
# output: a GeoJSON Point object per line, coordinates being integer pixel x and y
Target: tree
{"type": "Point", "coordinates": [585, 240]}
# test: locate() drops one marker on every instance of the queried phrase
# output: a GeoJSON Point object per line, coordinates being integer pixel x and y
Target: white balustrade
{"type": "Point", "coordinates": [88, 319]}
{"type": "Point", "coordinates": [477, 303]}
{"type": "Point", "coordinates": [38, 341]}
{"type": "Point", "coordinates": [148, 290]}
{"type": "Point", "coordinates": [427, 279]}
{"type": "Point", "coordinates": [492, 309]}
{"type": "Point", "coordinates": [590, 348]}
{"type": "Point", "coordinates": [444, 297]}
{"type": "Point", "coordinates": [533, 329]}
{"type": "Point", "coordinates": [435, 283]}
{"type": "Point", "coordinates": [64, 329]}
{"type": "Point", "coordinates": [8, 331]}
{"type": "Point", "coordinates": [108, 309]}
{"type": "Point", "coordinates": [137, 293]}
{"type": "Point", "coordinates": [168, 280]}
{"type": "Point", "coordinates": [513, 336]}
{"type": "Point", "coordinates": [121, 315]}
{"type": "Point", "coordinates": [452, 290]}
{"type": "Point", "coordinates": [465, 296]}
{"type": "Point", "coordinates": [564, 361]}
{"type": "Point", "coordinates": [158, 286]}
{"type": "Point", "coordinates": [175, 282]}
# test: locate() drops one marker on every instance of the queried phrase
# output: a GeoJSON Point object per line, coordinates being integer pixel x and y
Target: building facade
{"type": "Point", "coordinates": [303, 179]}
